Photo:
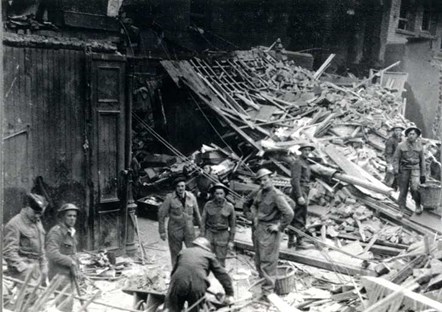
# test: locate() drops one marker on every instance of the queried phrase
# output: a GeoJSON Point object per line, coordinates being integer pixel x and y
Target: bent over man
{"type": "Point", "coordinates": [218, 222]}
{"type": "Point", "coordinates": [61, 249]}
{"type": "Point", "coordinates": [409, 166]}
{"type": "Point", "coordinates": [189, 277]}
{"type": "Point", "coordinates": [24, 237]}
{"type": "Point", "coordinates": [271, 214]}
{"type": "Point", "coordinates": [181, 207]}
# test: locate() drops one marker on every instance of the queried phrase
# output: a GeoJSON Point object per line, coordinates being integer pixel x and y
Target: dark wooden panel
{"type": "Point", "coordinates": [109, 229]}
{"type": "Point", "coordinates": [108, 154]}
{"type": "Point", "coordinates": [44, 89]}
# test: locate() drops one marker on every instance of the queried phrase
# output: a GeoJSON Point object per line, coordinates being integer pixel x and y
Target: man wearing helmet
{"type": "Point", "coordinates": [409, 167]}
{"type": "Point", "coordinates": [218, 222]}
{"type": "Point", "coordinates": [272, 214]}
{"type": "Point", "coordinates": [189, 277]}
{"type": "Point", "coordinates": [61, 249]}
{"type": "Point", "coordinates": [24, 236]}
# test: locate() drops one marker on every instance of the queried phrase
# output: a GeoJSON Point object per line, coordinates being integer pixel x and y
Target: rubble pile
{"type": "Point", "coordinates": [269, 108]}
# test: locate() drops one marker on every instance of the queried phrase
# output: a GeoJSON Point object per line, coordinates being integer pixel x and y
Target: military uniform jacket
{"type": "Point", "coordinates": [409, 157]}
{"type": "Point", "coordinates": [194, 264]}
{"type": "Point", "coordinates": [219, 217]}
{"type": "Point", "coordinates": [61, 248]}
{"type": "Point", "coordinates": [390, 148]}
{"type": "Point", "coordinates": [300, 176]}
{"type": "Point", "coordinates": [272, 207]}
{"type": "Point", "coordinates": [23, 241]}
{"type": "Point", "coordinates": [179, 216]}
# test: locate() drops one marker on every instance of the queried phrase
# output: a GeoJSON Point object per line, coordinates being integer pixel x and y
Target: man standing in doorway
{"type": "Point", "coordinates": [390, 148]}
{"type": "Point", "coordinates": [409, 166]}
{"type": "Point", "coordinates": [182, 209]}
{"type": "Point", "coordinates": [271, 214]}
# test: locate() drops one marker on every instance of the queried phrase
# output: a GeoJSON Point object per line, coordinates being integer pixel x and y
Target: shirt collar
{"type": "Point", "coordinates": [26, 219]}
{"type": "Point", "coordinates": [66, 230]}
{"type": "Point", "coordinates": [175, 194]}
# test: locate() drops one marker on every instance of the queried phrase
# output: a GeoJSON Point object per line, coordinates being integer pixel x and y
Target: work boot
{"type": "Point", "coordinates": [418, 209]}
{"type": "Point", "coordinates": [291, 242]}
{"type": "Point", "coordinates": [302, 244]}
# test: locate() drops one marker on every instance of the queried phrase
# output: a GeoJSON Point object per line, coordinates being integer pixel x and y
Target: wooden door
{"type": "Point", "coordinates": [108, 138]}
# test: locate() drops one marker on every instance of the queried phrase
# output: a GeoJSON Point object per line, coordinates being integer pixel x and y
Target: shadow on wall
{"type": "Point", "coordinates": [412, 111]}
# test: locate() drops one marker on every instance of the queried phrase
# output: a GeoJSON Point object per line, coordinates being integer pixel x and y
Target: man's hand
{"type": "Point", "coordinates": [198, 194]}
{"type": "Point", "coordinates": [301, 200]}
{"type": "Point", "coordinates": [74, 269]}
{"type": "Point", "coordinates": [390, 169]}
{"type": "Point", "coordinates": [228, 300]}
{"type": "Point", "coordinates": [163, 236]}
{"type": "Point", "coordinates": [22, 266]}
{"type": "Point", "coordinates": [230, 245]}
{"type": "Point", "coordinates": [44, 272]}
{"type": "Point", "coordinates": [423, 179]}
{"type": "Point", "coordinates": [273, 228]}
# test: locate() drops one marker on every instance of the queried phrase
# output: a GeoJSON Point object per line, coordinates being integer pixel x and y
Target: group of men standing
{"type": "Point", "coordinates": [29, 253]}
{"type": "Point", "coordinates": [270, 211]}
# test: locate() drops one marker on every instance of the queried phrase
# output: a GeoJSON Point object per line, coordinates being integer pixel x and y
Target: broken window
{"type": "Point", "coordinates": [406, 16]}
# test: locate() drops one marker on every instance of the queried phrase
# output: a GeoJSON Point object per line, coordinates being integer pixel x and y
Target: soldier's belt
{"type": "Point", "coordinates": [30, 255]}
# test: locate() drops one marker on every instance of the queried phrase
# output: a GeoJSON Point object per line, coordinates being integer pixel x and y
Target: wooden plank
{"type": "Point", "coordinates": [354, 170]}
{"type": "Point", "coordinates": [400, 290]}
{"type": "Point", "coordinates": [324, 66]}
{"type": "Point", "coordinates": [280, 304]}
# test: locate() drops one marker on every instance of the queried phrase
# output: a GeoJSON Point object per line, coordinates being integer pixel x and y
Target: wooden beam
{"type": "Point", "coordinates": [308, 259]}
{"type": "Point", "coordinates": [324, 66]}
{"type": "Point", "coordinates": [403, 291]}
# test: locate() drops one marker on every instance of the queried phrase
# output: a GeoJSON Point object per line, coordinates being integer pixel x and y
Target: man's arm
{"type": "Point", "coordinates": [396, 160]}
{"type": "Point", "coordinates": [296, 178]}
{"type": "Point", "coordinates": [203, 221]}
{"type": "Point", "coordinates": [221, 275]}
{"type": "Point", "coordinates": [11, 247]}
{"type": "Point", "coordinates": [53, 243]}
{"type": "Point", "coordinates": [196, 212]}
{"type": "Point", "coordinates": [389, 151]}
{"type": "Point", "coordinates": [163, 212]}
{"type": "Point", "coordinates": [247, 205]}
{"type": "Point", "coordinates": [286, 211]}
{"type": "Point", "coordinates": [422, 162]}
{"type": "Point", "coordinates": [232, 224]}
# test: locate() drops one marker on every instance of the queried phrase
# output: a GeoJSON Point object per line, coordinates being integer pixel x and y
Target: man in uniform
{"type": "Point", "coordinates": [409, 166]}
{"type": "Point", "coordinates": [390, 147]}
{"type": "Point", "coordinates": [300, 181]}
{"type": "Point", "coordinates": [218, 222]}
{"type": "Point", "coordinates": [271, 214]}
{"type": "Point", "coordinates": [189, 277]}
{"type": "Point", "coordinates": [61, 249]}
{"type": "Point", "coordinates": [182, 209]}
{"type": "Point", "coordinates": [203, 184]}
{"type": "Point", "coordinates": [24, 236]}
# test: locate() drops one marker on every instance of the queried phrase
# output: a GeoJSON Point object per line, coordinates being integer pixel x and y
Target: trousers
{"type": "Point", "coordinates": [176, 237]}
{"type": "Point", "coordinates": [409, 179]}
{"type": "Point", "coordinates": [219, 241]}
{"type": "Point", "coordinates": [267, 255]}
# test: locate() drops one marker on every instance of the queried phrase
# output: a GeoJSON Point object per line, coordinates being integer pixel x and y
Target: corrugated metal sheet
{"type": "Point", "coordinates": [44, 90]}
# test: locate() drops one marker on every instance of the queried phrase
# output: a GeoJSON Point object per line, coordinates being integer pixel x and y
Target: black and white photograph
{"type": "Point", "coordinates": [221, 155]}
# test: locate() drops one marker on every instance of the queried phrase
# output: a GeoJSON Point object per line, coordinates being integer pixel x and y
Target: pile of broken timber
{"type": "Point", "coordinates": [267, 106]}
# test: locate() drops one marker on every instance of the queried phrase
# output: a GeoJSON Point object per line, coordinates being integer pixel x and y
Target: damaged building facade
{"type": "Point", "coordinates": [107, 102]}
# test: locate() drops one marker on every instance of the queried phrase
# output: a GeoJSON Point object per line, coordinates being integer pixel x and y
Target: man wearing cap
{"type": "Point", "coordinates": [23, 246]}
{"type": "Point", "coordinates": [61, 249]}
{"type": "Point", "coordinates": [409, 166]}
{"type": "Point", "coordinates": [189, 280]}
{"type": "Point", "coordinates": [182, 209]}
{"type": "Point", "coordinates": [390, 148]}
{"type": "Point", "coordinates": [300, 181]}
{"type": "Point", "coordinates": [271, 214]}
{"type": "Point", "coordinates": [218, 222]}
